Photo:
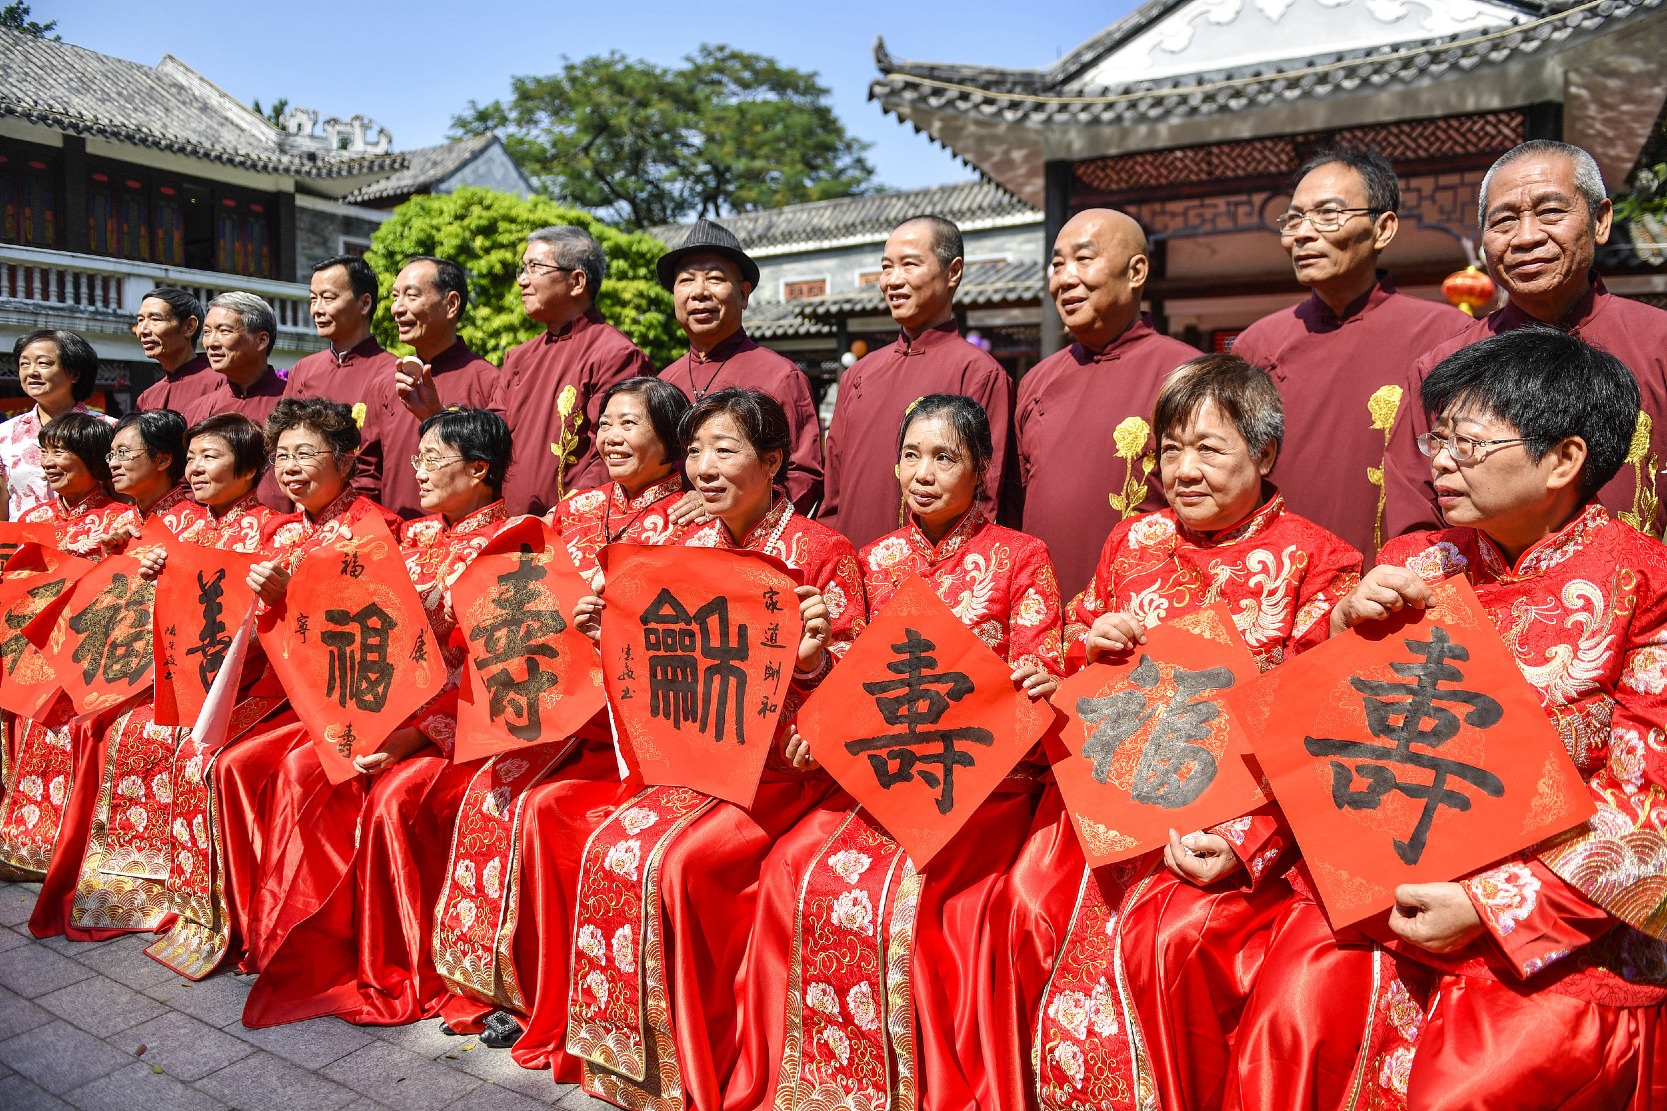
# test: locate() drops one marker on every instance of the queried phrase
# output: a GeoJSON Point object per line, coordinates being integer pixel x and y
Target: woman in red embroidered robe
{"type": "Point", "coordinates": [1539, 981]}
{"type": "Point", "coordinates": [378, 842]}
{"type": "Point", "coordinates": [860, 981]}
{"type": "Point", "coordinates": [1124, 983]}
{"type": "Point", "coordinates": [108, 879]}
{"type": "Point", "coordinates": [668, 882]}
{"type": "Point", "coordinates": [314, 446]}
{"type": "Point", "coordinates": [41, 767]}
{"type": "Point", "coordinates": [526, 818]}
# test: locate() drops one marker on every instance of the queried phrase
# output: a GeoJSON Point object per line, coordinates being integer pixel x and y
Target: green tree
{"type": "Point", "coordinates": [15, 17]}
{"type": "Point", "coordinates": [645, 145]}
{"type": "Point", "coordinates": [275, 114]}
{"type": "Point", "coordinates": [485, 231]}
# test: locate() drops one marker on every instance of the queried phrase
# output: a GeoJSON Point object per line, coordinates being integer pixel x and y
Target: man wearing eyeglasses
{"type": "Point", "coordinates": [1340, 355]}
{"type": "Point", "coordinates": [1544, 213]}
{"type": "Point", "coordinates": [550, 389]}
{"type": "Point", "coordinates": [429, 298]}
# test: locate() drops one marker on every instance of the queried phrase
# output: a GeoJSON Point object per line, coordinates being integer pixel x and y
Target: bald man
{"type": "Point", "coordinates": [1086, 456]}
{"type": "Point", "coordinates": [919, 273]}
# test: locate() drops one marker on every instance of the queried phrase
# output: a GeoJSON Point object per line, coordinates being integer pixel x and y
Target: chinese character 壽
{"type": "Point", "coordinates": [513, 638]}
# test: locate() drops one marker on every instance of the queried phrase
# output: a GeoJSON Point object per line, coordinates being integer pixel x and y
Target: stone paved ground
{"type": "Point", "coordinates": [102, 1026]}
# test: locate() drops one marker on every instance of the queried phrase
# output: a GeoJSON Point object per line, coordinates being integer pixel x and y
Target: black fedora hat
{"type": "Point", "coordinates": [714, 239]}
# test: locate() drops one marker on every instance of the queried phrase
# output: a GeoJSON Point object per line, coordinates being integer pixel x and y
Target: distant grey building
{"type": "Point", "coordinates": [116, 177]}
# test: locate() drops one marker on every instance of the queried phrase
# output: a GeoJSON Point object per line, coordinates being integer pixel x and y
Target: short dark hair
{"type": "Point", "coordinates": [966, 416]}
{"type": "Point", "coordinates": [182, 304]}
{"type": "Point", "coordinates": [1548, 386]}
{"type": "Point", "coordinates": [667, 407]}
{"type": "Point", "coordinates": [360, 277]}
{"type": "Point", "coordinates": [759, 416]}
{"type": "Point", "coordinates": [477, 435]}
{"type": "Point", "coordinates": [1383, 187]}
{"type": "Point", "coordinates": [246, 439]}
{"type": "Point", "coordinates": [162, 431]}
{"type": "Point", "coordinates": [84, 436]}
{"type": "Point", "coordinates": [449, 277]}
{"type": "Point", "coordinates": [332, 420]}
{"type": "Point", "coordinates": [1240, 389]}
{"type": "Point", "coordinates": [75, 355]}
{"type": "Point", "coordinates": [946, 240]}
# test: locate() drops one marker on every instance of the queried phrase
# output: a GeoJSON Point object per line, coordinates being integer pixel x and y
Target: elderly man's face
{"type": "Point", "coordinates": [1538, 233]}
{"type": "Point", "coordinates": [423, 315]}
{"type": "Point", "coordinates": [917, 287]}
{"type": "Point", "coordinates": [231, 348]}
{"type": "Point", "coordinates": [709, 297]}
{"type": "Point", "coordinates": [1095, 278]}
{"type": "Point", "coordinates": [550, 294]}
{"type": "Point", "coordinates": [1323, 256]}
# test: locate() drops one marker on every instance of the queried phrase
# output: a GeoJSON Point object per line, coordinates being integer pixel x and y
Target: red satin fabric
{"type": "Point", "coordinates": [364, 953]}
{"type": "Point", "coordinates": [51, 915]}
{"type": "Point", "coordinates": [241, 773]}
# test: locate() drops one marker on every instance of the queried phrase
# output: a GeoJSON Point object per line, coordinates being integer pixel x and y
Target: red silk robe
{"type": "Point", "coordinates": [1126, 981]}
{"type": "Point", "coordinates": [1560, 1001]}
{"type": "Point", "coordinates": [861, 979]}
{"type": "Point", "coordinates": [42, 768]}
{"type": "Point", "coordinates": [367, 860]}
{"type": "Point", "coordinates": [669, 880]}
{"type": "Point", "coordinates": [216, 857]}
{"type": "Point", "coordinates": [524, 823]}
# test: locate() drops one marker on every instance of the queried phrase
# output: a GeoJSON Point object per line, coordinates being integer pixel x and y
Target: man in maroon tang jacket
{"type": "Point", "coordinates": [238, 333]}
{"type": "Point", "coordinates": [550, 389]}
{"type": "Point", "coordinates": [1340, 357]}
{"type": "Point", "coordinates": [710, 278]}
{"type": "Point", "coordinates": [1544, 213]}
{"type": "Point", "coordinates": [167, 326]}
{"type": "Point", "coordinates": [1086, 457]}
{"type": "Point", "coordinates": [919, 273]}
{"type": "Point", "coordinates": [343, 302]}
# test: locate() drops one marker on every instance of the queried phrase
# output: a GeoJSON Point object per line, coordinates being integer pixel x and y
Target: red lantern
{"type": "Point", "coordinates": [1467, 289]}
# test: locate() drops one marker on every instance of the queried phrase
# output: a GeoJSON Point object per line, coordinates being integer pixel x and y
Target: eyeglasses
{"type": "Point", "coordinates": [1463, 449]}
{"type": "Point", "coordinates": [1320, 219]}
{"type": "Point", "coordinates": [301, 457]}
{"type": "Point", "coordinates": [432, 463]}
{"type": "Point", "coordinates": [122, 455]}
{"type": "Point", "coordinates": [536, 269]}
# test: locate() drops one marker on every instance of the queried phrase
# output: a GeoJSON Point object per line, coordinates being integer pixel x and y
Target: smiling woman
{"type": "Point", "coordinates": [58, 371]}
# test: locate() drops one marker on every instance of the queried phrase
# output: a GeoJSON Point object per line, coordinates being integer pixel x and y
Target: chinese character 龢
{"type": "Point", "coordinates": [709, 688]}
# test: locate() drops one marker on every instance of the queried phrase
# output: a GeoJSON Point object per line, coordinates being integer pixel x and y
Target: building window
{"type": "Point", "coordinates": [868, 278]}
{"type": "Point", "coordinates": [242, 238]}
{"type": "Point", "coordinates": [28, 200]}
{"type": "Point", "coordinates": [118, 216]}
{"type": "Point", "coordinates": [803, 289]}
{"type": "Point", "coordinates": [353, 245]}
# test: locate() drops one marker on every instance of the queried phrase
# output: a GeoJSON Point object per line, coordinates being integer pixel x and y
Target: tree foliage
{"type": "Point", "coordinates": [485, 231]}
{"type": "Point", "coordinates": [643, 144]}
{"type": "Point", "coordinates": [15, 17]}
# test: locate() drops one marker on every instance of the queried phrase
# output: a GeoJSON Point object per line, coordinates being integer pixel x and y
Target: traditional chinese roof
{"type": "Point", "coordinates": [425, 168]}
{"type": "Point", "coordinates": [973, 205]}
{"type": "Point", "coordinates": [1157, 78]}
{"type": "Point", "coordinates": [167, 107]}
{"type": "Point", "coordinates": [782, 320]}
{"type": "Point", "coordinates": [985, 285]}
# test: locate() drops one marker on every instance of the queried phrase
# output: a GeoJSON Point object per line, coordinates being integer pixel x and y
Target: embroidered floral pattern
{"type": "Point", "coordinates": [854, 911]}
{"type": "Point", "coordinates": [623, 859]}
{"type": "Point", "coordinates": [1505, 895]}
{"type": "Point", "coordinates": [849, 864]}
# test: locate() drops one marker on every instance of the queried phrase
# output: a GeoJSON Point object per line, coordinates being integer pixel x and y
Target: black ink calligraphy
{"type": "Point", "coordinates": [1174, 767]}
{"type": "Point", "coordinates": [512, 641]}
{"type": "Point", "coordinates": [115, 632]}
{"type": "Point", "coordinates": [680, 688]}
{"type": "Point", "coordinates": [359, 668]}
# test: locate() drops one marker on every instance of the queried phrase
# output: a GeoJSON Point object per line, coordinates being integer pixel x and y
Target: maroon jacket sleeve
{"type": "Point", "coordinates": [995, 393]}
{"type": "Point", "coordinates": [1408, 490]}
{"type": "Point", "coordinates": [804, 468]}
{"type": "Point", "coordinates": [612, 364]}
{"type": "Point", "coordinates": [832, 473]}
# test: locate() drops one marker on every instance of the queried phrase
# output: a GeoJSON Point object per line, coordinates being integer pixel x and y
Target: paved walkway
{"type": "Point", "coordinates": [102, 1026]}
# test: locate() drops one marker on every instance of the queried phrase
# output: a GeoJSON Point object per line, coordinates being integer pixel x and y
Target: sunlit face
{"type": "Point", "coordinates": [550, 294]}
{"type": "Point", "coordinates": [1322, 256]}
{"type": "Point", "coordinates": [211, 471]}
{"type": "Point", "coordinates": [133, 473]}
{"type": "Point", "coordinates": [1538, 233]}
{"type": "Point", "coordinates": [1210, 477]}
{"type": "Point", "coordinates": [424, 316]}
{"type": "Point", "coordinates": [917, 287]}
{"type": "Point", "coordinates": [164, 337]}
{"type": "Point", "coordinates": [307, 470]}
{"type": "Point", "coordinates": [1096, 278]}
{"type": "Point", "coordinates": [630, 448]}
{"type": "Point", "coordinates": [67, 474]}
{"type": "Point", "coordinates": [709, 297]}
{"type": "Point", "coordinates": [43, 377]}
{"type": "Point", "coordinates": [936, 472]}
{"type": "Point", "coordinates": [732, 480]}
{"type": "Point", "coordinates": [337, 314]}
{"type": "Point", "coordinates": [231, 348]}
{"type": "Point", "coordinates": [446, 482]}
{"type": "Point", "coordinates": [1496, 492]}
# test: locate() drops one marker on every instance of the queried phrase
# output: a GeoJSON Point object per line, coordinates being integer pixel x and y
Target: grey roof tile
{"type": "Point", "coordinates": [425, 167]}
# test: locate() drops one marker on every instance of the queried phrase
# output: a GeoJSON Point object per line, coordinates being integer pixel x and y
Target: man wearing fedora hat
{"type": "Point", "coordinates": [710, 278]}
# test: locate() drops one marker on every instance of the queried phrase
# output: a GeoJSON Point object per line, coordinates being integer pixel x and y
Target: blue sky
{"type": "Point", "coordinates": [411, 66]}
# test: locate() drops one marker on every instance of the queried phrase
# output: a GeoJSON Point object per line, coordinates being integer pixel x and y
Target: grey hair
{"type": "Point", "coordinates": [256, 314]}
{"type": "Point", "coordinates": [575, 248]}
{"type": "Point", "coordinates": [1587, 177]}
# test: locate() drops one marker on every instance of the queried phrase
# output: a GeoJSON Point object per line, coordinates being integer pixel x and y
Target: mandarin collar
{"type": "Point", "coordinates": [1245, 529]}
{"type": "Point", "coordinates": [364, 349]}
{"type": "Point", "coordinates": [481, 518]}
{"type": "Point", "coordinates": [953, 540]}
{"type": "Point", "coordinates": [935, 336]}
{"type": "Point", "coordinates": [1382, 289]}
{"type": "Point", "coordinates": [179, 494]}
{"type": "Point", "coordinates": [93, 499]}
{"type": "Point", "coordinates": [258, 388]}
{"type": "Point", "coordinates": [342, 503]}
{"type": "Point", "coordinates": [648, 495]}
{"type": "Point", "coordinates": [457, 355]}
{"type": "Point", "coordinates": [759, 536]}
{"type": "Point", "coordinates": [1134, 333]}
{"type": "Point", "coordinates": [573, 327]}
{"type": "Point", "coordinates": [239, 508]}
{"type": "Point", "coordinates": [1583, 313]}
{"type": "Point", "coordinates": [728, 349]}
{"type": "Point", "coordinates": [1544, 554]}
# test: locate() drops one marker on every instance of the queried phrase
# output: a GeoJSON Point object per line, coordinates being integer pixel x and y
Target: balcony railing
{"type": "Point", "coordinates": [61, 280]}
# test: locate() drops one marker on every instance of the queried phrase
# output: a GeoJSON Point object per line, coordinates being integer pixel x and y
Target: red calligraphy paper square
{"type": "Point", "coordinates": [99, 642]}
{"type": "Point", "coordinates": [15, 534]}
{"type": "Point", "coordinates": [1151, 744]}
{"type": "Point", "coordinates": [698, 649]}
{"type": "Point", "coordinates": [1411, 751]}
{"type": "Point", "coordinates": [352, 645]}
{"type": "Point", "coordinates": [530, 676]}
{"type": "Point", "coordinates": [920, 721]}
{"type": "Point", "coordinates": [202, 597]}
{"type": "Point", "coordinates": [34, 588]}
